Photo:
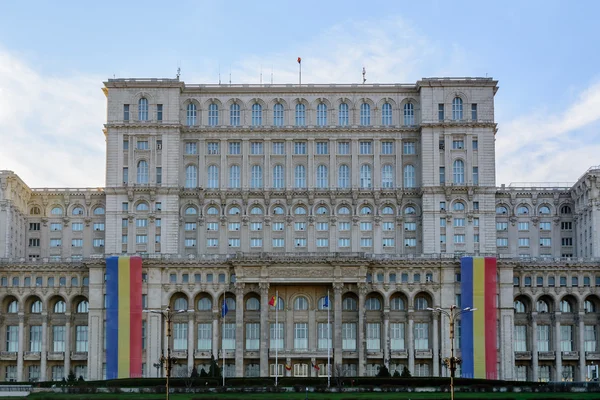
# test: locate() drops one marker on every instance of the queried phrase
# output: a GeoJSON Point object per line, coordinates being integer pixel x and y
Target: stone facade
{"type": "Point", "coordinates": [366, 193]}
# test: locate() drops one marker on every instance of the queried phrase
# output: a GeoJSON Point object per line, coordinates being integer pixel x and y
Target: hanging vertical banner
{"type": "Point", "coordinates": [478, 341]}
{"type": "Point", "coordinates": [123, 317]}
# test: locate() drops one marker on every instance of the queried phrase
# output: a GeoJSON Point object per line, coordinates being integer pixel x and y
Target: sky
{"type": "Point", "coordinates": [54, 57]}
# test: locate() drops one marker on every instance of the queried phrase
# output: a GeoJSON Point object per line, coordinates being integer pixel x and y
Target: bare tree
{"type": "Point", "coordinates": [338, 374]}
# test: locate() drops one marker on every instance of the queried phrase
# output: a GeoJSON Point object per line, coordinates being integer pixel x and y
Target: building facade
{"type": "Point", "coordinates": [363, 194]}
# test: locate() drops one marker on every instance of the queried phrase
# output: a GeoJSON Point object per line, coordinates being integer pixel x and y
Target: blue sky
{"type": "Point", "coordinates": [55, 55]}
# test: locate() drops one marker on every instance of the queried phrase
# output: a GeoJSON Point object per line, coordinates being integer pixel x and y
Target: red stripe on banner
{"type": "Point", "coordinates": [135, 340]}
{"type": "Point", "coordinates": [491, 321]}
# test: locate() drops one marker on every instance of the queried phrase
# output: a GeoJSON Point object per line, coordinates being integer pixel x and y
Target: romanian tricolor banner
{"type": "Point", "coordinates": [123, 317]}
{"type": "Point", "coordinates": [479, 328]}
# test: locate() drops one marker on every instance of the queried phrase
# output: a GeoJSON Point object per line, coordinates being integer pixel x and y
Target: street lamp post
{"type": "Point", "coordinates": [168, 361]}
{"type": "Point", "coordinates": [452, 361]}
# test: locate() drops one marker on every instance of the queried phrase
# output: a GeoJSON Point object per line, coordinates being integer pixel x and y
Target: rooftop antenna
{"type": "Point", "coordinates": [178, 72]}
{"type": "Point", "coordinates": [364, 74]}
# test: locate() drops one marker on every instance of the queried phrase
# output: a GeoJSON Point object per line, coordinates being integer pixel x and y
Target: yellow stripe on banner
{"type": "Point", "coordinates": [124, 317]}
{"type": "Point", "coordinates": [479, 317]}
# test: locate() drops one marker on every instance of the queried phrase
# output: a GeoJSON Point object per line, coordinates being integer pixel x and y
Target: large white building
{"type": "Point", "coordinates": [370, 193]}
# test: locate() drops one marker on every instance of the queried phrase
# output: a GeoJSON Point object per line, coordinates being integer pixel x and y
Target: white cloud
{"type": "Point", "coordinates": [51, 127]}
{"type": "Point", "coordinates": [551, 147]}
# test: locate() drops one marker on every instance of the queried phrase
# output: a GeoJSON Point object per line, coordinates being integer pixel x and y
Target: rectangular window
{"type": "Point", "coordinates": [191, 226]}
{"type": "Point", "coordinates": [590, 338]}
{"type": "Point", "coordinates": [366, 147]}
{"type": "Point", "coordinates": [543, 337]}
{"type": "Point", "coordinates": [566, 226]}
{"type": "Point", "coordinates": [300, 242]}
{"type": "Point", "coordinates": [205, 336]}
{"type": "Point", "coordinates": [343, 242]}
{"type": "Point", "coordinates": [410, 226]}
{"type": "Point", "coordinates": [374, 336]}
{"type": "Point", "coordinates": [81, 338]}
{"type": "Point", "coordinates": [323, 336]}
{"type": "Point", "coordinates": [521, 226]}
{"type": "Point", "coordinates": [234, 226]}
{"type": "Point", "coordinates": [253, 336]}
{"type": "Point", "coordinates": [566, 338]}
{"type": "Point", "coordinates": [397, 336]}
{"type": "Point", "coordinates": [409, 148]}
{"type": "Point", "coordinates": [442, 175]}
{"type": "Point", "coordinates": [475, 222]}
{"type": "Point", "coordinates": [300, 226]}
{"type": "Point", "coordinates": [458, 144]}
{"type": "Point", "coordinates": [300, 148]}
{"type": "Point", "coordinates": [256, 242]}
{"type": "Point", "coordinates": [255, 226]}
{"type": "Point", "coordinates": [520, 339]}
{"type": "Point", "coordinates": [125, 112]}
{"type": "Point", "coordinates": [277, 226]}
{"type": "Point", "coordinates": [141, 239]}
{"type": "Point", "coordinates": [234, 242]}
{"type": "Point", "coordinates": [440, 112]}
{"type": "Point", "coordinates": [545, 226]}
{"type": "Point", "coordinates": [35, 226]}
{"type": "Point", "coordinates": [366, 226]}
{"type": "Point", "coordinates": [212, 148]}
{"type": "Point", "coordinates": [190, 242]}
{"type": "Point", "coordinates": [235, 148]}
{"type": "Point", "coordinates": [58, 338]}
{"type": "Point", "coordinates": [278, 148]}
{"type": "Point", "coordinates": [180, 334]}
{"type": "Point", "coordinates": [349, 336]}
{"type": "Point", "coordinates": [475, 175]}
{"type": "Point", "coordinates": [443, 238]}
{"type": "Point", "coordinates": [76, 242]}
{"type": "Point", "coordinates": [546, 242]}
{"type": "Point", "coordinates": [410, 242]}
{"type": "Point", "coordinates": [322, 226]}
{"type": "Point", "coordinates": [142, 145]}
{"type": "Point", "coordinates": [53, 242]}
{"type": "Point", "coordinates": [421, 336]}
{"type": "Point", "coordinates": [159, 175]}
{"type": "Point", "coordinates": [459, 222]}
{"type": "Point", "coordinates": [502, 242]}
{"type": "Point", "coordinates": [343, 148]}
{"type": "Point", "coordinates": [523, 242]}
{"type": "Point", "coordinates": [56, 226]}
{"type": "Point", "coordinates": [387, 148]}
{"type": "Point", "coordinates": [300, 336]}
{"type": "Point", "coordinates": [322, 148]}
{"type": "Point", "coordinates": [191, 148]}
{"type": "Point", "coordinates": [212, 242]}
{"type": "Point", "coordinates": [343, 226]}
{"type": "Point", "coordinates": [99, 226]}
{"type": "Point", "coordinates": [388, 242]}
{"type": "Point", "coordinates": [322, 242]}
{"type": "Point", "coordinates": [366, 242]}
{"type": "Point", "coordinates": [12, 338]}
{"type": "Point", "coordinates": [474, 112]}
{"type": "Point", "coordinates": [459, 238]}
{"type": "Point", "coordinates": [475, 144]}
{"type": "Point", "coordinates": [125, 175]}
{"type": "Point", "coordinates": [442, 222]}
{"type": "Point", "coordinates": [35, 338]}
{"type": "Point", "coordinates": [276, 337]}
{"type": "Point", "coordinates": [279, 242]}
{"type": "Point", "coordinates": [256, 148]}
{"type": "Point", "coordinates": [566, 241]}
{"type": "Point", "coordinates": [388, 226]}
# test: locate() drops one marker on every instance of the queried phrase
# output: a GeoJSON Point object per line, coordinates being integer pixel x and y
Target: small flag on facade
{"type": "Point", "coordinates": [326, 302]}
{"type": "Point", "coordinates": [299, 60]}
{"type": "Point", "coordinates": [315, 366]}
{"type": "Point", "coordinates": [224, 309]}
{"type": "Point", "coordinates": [273, 301]}
{"type": "Point", "coordinates": [288, 367]}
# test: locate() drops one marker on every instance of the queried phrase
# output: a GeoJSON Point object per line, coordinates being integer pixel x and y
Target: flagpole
{"type": "Point", "coordinates": [328, 342]}
{"type": "Point", "coordinates": [223, 312]}
{"type": "Point", "coordinates": [299, 71]}
{"type": "Point", "coordinates": [276, 336]}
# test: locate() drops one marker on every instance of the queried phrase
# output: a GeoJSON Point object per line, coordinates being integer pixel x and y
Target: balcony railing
{"type": "Point", "coordinates": [399, 354]}
{"type": "Point", "coordinates": [546, 355]}
{"type": "Point", "coordinates": [592, 355]}
{"type": "Point", "coordinates": [424, 353]}
{"type": "Point", "coordinates": [79, 355]}
{"type": "Point", "coordinates": [56, 355]}
{"type": "Point", "coordinates": [8, 355]}
{"type": "Point", "coordinates": [570, 355]}
{"type": "Point", "coordinates": [522, 355]}
{"type": "Point", "coordinates": [303, 353]}
{"type": "Point", "coordinates": [202, 353]}
{"type": "Point", "coordinates": [32, 355]}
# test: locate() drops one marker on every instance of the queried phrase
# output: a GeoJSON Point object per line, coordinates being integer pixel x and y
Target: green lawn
{"type": "Point", "coordinates": [314, 396]}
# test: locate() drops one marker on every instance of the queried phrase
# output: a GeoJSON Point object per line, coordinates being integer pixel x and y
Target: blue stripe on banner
{"type": "Point", "coordinates": [112, 317]}
{"type": "Point", "coordinates": [466, 295]}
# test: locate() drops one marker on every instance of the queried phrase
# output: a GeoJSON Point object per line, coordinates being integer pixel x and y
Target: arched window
{"type": "Point", "coordinates": [343, 115]}
{"type": "Point", "coordinates": [142, 172]}
{"type": "Point", "coordinates": [143, 206]}
{"type": "Point", "coordinates": [386, 114]}
{"type": "Point", "coordinates": [83, 307]}
{"type": "Point", "coordinates": [300, 114]}
{"type": "Point", "coordinates": [181, 303]}
{"type": "Point", "coordinates": [409, 210]}
{"type": "Point", "coordinates": [300, 210]}
{"type": "Point", "coordinates": [256, 210]}
{"type": "Point", "coordinates": [365, 176]}
{"type": "Point", "coordinates": [373, 304]}
{"type": "Point", "coordinates": [523, 210]}
{"type": "Point", "coordinates": [256, 181]}
{"type": "Point", "coordinates": [234, 177]}
{"type": "Point", "coordinates": [192, 114]}
{"type": "Point", "coordinates": [278, 114]}
{"type": "Point", "coordinates": [565, 210]}
{"type": "Point", "coordinates": [519, 306]}
{"type": "Point", "coordinates": [204, 304]}
{"type": "Point", "coordinates": [278, 177]}
{"type": "Point", "coordinates": [343, 210]}
{"type": "Point", "coordinates": [409, 176]}
{"type": "Point", "coordinates": [322, 114]}
{"type": "Point", "coordinates": [542, 306]}
{"type": "Point", "coordinates": [421, 303]}
{"type": "Point", "coordinates": [36, 307]}
{"type": "Point", "coordinates": [60, 307]}
{"type": "Point", "coordinates": [387, 176]}
{"type": "Point", "coordinates": [365, 210]}
{"type": "Point", "coordinates": [458, 169]}
{"type": "Point", "coordinates": [501, 210]}
{"type": "Point", "coordinates": [300, 176]}
{"type": "Point", "coordinates": [13, 307]}
{"type": "Point", "coordinates": [343, 176]}
{"type": "Point", "coordinates": [365, 114]}
{"type": "Point", "coordinates": [191, 211]}
{"type": "Point", "coordinates": [565, 306]}
{"type": "Point", "coordinates": [322, 210]}
{"type": "Point", "coordinates": [212, 211]}
{"type": "Point", "coordinates": [35, 211]}
{"type": "Point", "coordinates": [589, 306]}
{"type": "Point", "coordinates": [278, 210]}
{"type": "Point", "coordinates": [256, 114]}
{"type": "Point", "coordinates": [324, 303]}
{"type": "Point", "coordinates": [322, 177]}
{"type": "Point", "coordinates": [234, 211]}
{"type": "Point", "coordinates": [252, 304]}
{"type": "Point", "coordinates": [457, 109]}
{"type": "Point", "coordinates": [349, 304]}
{"type": "Point", "coordinates": [301, 303]}
{"type": "Point", "coordinates": [230, 301]}
{"type": "Point", "coordinates": [56, 211]}
{"type": "Point", "coordinates": [191, 176]}
{"type": "Point", "coordinates": [544, 210]}
{"type": "Point", "coordinates": [78, 211]}
{"type": "Point", "coordinates": [234, 114]}
{"type": "Point", "coordinates": [409, 114]}
{"type": "Point", "coordinates": [397, 304]}
{"type": "Point", "coordinates": [387, 210]}
{"type": "Point", "coordinates": [459, 206]}
{"type": "Point", "coordinates": [213, 114]}
{"type": "Point", "coordinates": [143, 109]}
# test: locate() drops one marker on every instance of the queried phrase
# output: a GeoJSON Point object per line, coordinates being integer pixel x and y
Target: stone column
{"type": "Point", "coordinates": [337, 324]}
{"type": "Point", "coordinates": [534, 348]}
{"type": "Point", "coordinates": [436, 347]}
{"type": "Point", "coordinates": [558, 376]}
{"type": "Point", "coordinates": [68, 344]}
{"type": "Point", "coordinates": [581, 347]}
{"type": "Point", "coordinates": [215, 333]}
{"type": "Point", "coordinates": [191, 347]}
{"type": "Point", "coordinates": [43, 357]}
{"type": "Point", "coordinates": [20, 372]}
{"type": "Point", "coordinates": [411, 343]}
{"type": "Point", "coordinates": [239, 329]}
{"type": "Point", "coordinates": [264, 329]}
{"type": "Point", "coordinates": [386, 336]}
{"type": "Point", "coordinates": [362, 291]}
